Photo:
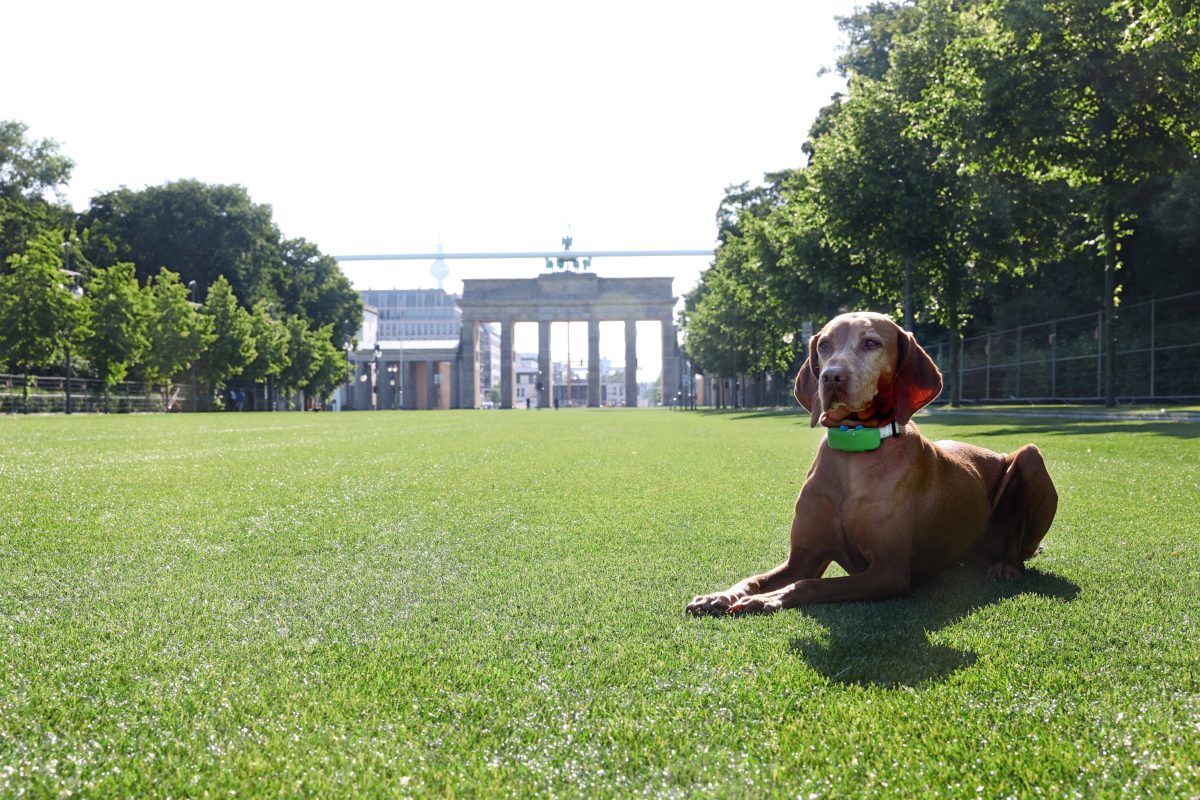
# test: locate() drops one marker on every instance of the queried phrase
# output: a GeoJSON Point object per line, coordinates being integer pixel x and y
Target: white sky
{"type": "Point", "coordinates": [384, 127]}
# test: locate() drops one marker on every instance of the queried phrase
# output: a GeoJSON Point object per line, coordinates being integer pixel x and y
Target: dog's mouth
{"type": "Point", "coordinates": [836, 415]}
{"type": "Point", "coordinates": [835, 412]}
{"type": "Point", "coordinates": [840, 407]}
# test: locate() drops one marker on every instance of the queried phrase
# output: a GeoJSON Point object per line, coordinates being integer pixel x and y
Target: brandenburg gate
{"type": "Point", "coordinates": [563, 297]}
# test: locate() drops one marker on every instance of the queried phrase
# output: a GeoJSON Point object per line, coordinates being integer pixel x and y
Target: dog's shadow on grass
{"type": "Point", "coordinates": [887, 643]}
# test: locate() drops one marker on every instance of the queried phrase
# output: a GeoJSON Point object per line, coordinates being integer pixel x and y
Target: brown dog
{"type": "Point", "coordinates": [892, 508]}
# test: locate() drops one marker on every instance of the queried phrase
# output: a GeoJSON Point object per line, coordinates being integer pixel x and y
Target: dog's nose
{"type": "Point", "coordinates": [832, 376]}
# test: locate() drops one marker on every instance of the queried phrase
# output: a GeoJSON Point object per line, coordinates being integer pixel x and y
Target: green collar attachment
{"type": "Point", "coordinates": [859, 439]}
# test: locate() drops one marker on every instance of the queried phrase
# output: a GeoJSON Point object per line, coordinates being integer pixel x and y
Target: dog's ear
{"type": "Point", "coordinates": [808, 381]}
{"type": "Point", "coordinates": [917, 381]}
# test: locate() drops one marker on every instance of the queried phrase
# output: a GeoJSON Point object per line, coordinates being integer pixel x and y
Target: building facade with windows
{"type": "Point", "coordinates": [411, 315]}
{"type": "Point", "coordinates": [421, 321]}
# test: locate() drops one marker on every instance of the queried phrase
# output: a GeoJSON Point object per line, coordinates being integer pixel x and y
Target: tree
{"type": "Point", "coordinates": [29, 169]}
{"type": "Point", "coordinates": [303, 356]}
{"type": "Point", "coordinates": [117, 320]}
{"type": "Point", "coordinates": [920, 231]}
{"type": "Point", "coordinates": [730, 320]}
{"type": "Point", "coordinates": [772, 273]}
{"type": "Point", "coordinates": [32, 172]}
{"type": "Point", "coordinates": [314, 364]}
{"type": "Point", "coordinates": [232, 347]}
{"type": "Point", "coordinates": [332, 369]}
{"type": "Point", "coordinates": [199, 230]}
{"type": "Point", "coordinates": [312, 285]}
{"type": "Point", "coordinates": [176, 333]}
{"type": "Point", "coordinates": [38, 312]}
{"type": "Point", "coordinates": [205, 231]}
{"type": "Point", "coordinates": [1099, 95]}
{"type": "Point", "coordinates": [271, 339]}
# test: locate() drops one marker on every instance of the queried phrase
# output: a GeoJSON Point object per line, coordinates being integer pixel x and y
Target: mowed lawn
{"type": "Point", "coordinates": [490, 604]}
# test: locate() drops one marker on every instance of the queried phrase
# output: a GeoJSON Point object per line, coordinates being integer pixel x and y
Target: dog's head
{"type": "Point", "coordinates": [863, 367]}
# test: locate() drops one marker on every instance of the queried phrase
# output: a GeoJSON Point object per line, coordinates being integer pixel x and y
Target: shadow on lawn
{"type": "Point", "coordinates": [755, 413]}
{"type": "Point", "coordinates": [887, 643]}
{"type": "Point", "coordinates": [1014, 423]}
{"type": "Point", "coordinates": [1035, 426]}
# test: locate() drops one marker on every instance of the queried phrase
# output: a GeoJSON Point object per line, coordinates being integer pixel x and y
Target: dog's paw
{"type": "Point", "coordinates": [756, 604]}
{"type": "Point", "coordinates": [715, 603]}
{"type": "Point", "coordinates": [1003, 571]}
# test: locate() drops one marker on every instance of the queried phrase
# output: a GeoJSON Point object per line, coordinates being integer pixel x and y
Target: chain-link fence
{"type": "Point", "coordinates": [1157, 357]}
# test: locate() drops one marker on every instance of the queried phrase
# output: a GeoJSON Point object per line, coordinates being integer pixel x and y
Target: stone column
{"type": "Point", "coordinates": [593, 372]}
{"type": "Point", "coordinates": [670, 361]}
{"type": "Point", "coordinates": [442, 381]}
{"type": "Point", "coordinates": [545, 372]}
{"type": "Point", "coordinates": [468, 366]}
{"type": "Point", "coordinates": [507, 364]}
{"type": "Point", "coordinates": [631, 386]}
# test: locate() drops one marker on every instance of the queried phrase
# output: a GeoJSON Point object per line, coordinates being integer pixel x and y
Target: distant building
{"type": "Point", "coordinates": [410, 316]}
{"type": "Point", "coordinates": [527, 380]}
{"type": "Point", "coordinates": [612, 389]}
{"type": "Point", "coordinates": [368, 334]}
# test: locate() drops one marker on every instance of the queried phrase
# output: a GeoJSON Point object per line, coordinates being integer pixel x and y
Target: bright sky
{"type": "Point", "coordinates": [385, 127]}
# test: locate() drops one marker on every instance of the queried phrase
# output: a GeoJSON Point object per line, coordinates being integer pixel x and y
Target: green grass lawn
{"type": "Point", "coordinates": [484, 604]}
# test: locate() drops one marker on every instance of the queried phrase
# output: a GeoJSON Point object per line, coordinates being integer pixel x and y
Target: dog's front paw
{"type": "Point", "coordinates": [715, 603]}
{"type": "Point", "coordinates": [756, 604]}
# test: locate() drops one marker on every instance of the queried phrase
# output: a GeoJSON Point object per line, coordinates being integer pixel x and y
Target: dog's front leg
{"type": "Point", "coordinates": [808, 558]}
{"type": "Point", "coordinates": [874, 583]}
{"type": "Point", "coordinates": [719, 602]}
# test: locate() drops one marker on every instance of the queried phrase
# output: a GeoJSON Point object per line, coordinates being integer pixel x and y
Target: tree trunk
{"type": "Point", "coordinates": [1108, 330]}
{"type": "Point", "coordinates": [950, 380]}
{"type": "Point", "coordinates": [908, 300]}
{"type": "Point", "coordinates": [953, 325]}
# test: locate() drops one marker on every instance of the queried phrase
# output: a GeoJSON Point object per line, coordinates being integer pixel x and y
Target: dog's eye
{"type": "Point", "coordinates": [823, 346]}
{"type": "Point", "coordinates": [871, 344]}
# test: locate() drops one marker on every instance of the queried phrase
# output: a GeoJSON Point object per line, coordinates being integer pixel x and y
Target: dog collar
{"type": "Point", "coordinates": [859, 439]}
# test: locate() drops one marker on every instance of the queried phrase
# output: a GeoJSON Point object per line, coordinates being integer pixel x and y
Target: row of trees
{"type": "Point", "coordinates": [992, 161]}
{"type": "Point", "coordinates": [184, 278]}
{"type": "Point", "coordinates": [115, 325]}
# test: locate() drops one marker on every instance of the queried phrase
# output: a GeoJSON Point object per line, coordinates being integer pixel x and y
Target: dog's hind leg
{"type": "Point", "coordinates": [1023, 507]}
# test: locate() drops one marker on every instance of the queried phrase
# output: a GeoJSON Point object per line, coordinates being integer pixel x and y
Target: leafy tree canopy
{"type": "Point", "coordinates": [177, 333]}
{"type": "Point", "coordinates": [204, 232]}
{"type": "Point", "coordinates": [32, 174]}
{"type": "Point", "coordinates": [38, 312]}
{"type": "Point", "coordinates": [117, 321]}
{"type": "Point", "coordinates": [232, 348]}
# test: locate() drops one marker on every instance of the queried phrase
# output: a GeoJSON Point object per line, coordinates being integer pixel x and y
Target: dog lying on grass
{"type": "Point", "coordinates": [892, 508]}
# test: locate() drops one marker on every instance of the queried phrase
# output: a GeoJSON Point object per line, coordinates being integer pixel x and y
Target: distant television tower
{"type": "Point", "coordinates": [439, 269]}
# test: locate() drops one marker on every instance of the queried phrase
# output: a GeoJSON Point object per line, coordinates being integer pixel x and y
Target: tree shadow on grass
{"type": "Point", "coordinates": [887, 643]}
{"type": "Point", "coordinates": [1014, 423]}
{"type": "Point", "coordinates": [765, 412]}
{"type": "Point", "coordinates": [1006, 425]}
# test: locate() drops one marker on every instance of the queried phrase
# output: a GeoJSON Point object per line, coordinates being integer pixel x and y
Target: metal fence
{"type": "Point", "coordinates": [48, 395]}
{"type": "Point", "coordinates": [1157, 357]}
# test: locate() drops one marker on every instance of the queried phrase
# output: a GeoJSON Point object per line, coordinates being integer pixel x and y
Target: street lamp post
{"type": "Point", "coordinates": [76, 290]}
{"type": "Point", "coordinates": [348, 389]}
{"type": "Point", "coordinates": [375, 375]}
{"type": "Point", "coordinates": [192, 289]}
{"type": "Point", "coordinates": [392, 369]}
